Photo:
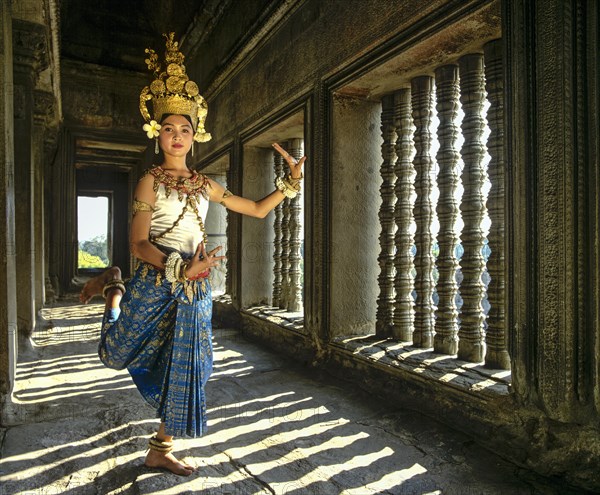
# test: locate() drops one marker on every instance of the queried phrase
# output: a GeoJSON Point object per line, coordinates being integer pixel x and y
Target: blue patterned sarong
{"type": "Point", "coordinates": [162, 335]}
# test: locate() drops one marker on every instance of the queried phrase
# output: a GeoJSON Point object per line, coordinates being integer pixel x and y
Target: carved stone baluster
{"type": "Point", "coordinates": [278, 167]}
{"type": "Point", "coordinates": [228, 236]}
{"type": "Point", "coordinates": [471, 345]}
{"type": "Point", "coordinates": [404, 307]}
{"type": "Point", "coordinates": [422, 105]}
{"type": "Point", "coordinates": [385, 301]}
{"type": "Point", "coordinates": [497, 354]}
{"type": "Point", "coordinates": [448, 156]}
{"type": "Point", "coordinates": [295, 303]}
{"type": "Point", "coordinates": [285, 250]}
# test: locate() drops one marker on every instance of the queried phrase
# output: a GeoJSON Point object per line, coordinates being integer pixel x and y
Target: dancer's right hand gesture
{"type": "Point", "coordinates": [202, 262]}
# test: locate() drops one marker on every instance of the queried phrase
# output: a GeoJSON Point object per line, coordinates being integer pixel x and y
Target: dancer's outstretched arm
{"type": "Point", "coordinates": [262, 207]}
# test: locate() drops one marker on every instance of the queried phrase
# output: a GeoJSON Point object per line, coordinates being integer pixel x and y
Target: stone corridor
{"type": "Point", "coordinates": [274, 428]}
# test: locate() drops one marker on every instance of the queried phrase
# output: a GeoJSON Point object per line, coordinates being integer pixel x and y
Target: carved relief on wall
{"type": "Point", "coordinates": [30, 47]}
{"type": "Point", "coordinates": [19, 101]}
{"type": "Point", "coordinates": [88, 107]}
{"type": "Point", "coordinates": [43, 105]}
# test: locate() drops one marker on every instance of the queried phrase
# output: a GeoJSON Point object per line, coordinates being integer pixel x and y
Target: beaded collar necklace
{"type": "Point", "coordinates": [192, 186]}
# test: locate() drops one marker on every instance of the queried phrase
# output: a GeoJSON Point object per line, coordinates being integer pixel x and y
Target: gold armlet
{"type": "Point", "coordinates": [226, 194]}
{"type": "Point", "coordinates": [141, 206]}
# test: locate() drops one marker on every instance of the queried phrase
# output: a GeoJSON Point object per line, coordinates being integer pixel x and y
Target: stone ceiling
{"type": "Point", "coordinates": [115, 33]}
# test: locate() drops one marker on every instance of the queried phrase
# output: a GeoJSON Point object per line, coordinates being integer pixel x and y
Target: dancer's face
{"type": "Point", "coordinates": [176, 135]}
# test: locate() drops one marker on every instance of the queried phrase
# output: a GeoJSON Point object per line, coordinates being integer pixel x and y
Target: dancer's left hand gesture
{"type": "Point", "coordinates": [295, 165]}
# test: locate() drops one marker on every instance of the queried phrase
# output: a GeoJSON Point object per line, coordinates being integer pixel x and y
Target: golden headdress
{"type": "Point", "coordinates": [172, 92]}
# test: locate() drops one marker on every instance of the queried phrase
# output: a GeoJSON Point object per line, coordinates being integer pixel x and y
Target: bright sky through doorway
{"type": "Point", "coordinates": [92, 217]}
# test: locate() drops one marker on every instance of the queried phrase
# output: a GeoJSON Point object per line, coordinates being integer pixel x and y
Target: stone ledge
{"type": "Point", "coordinates": [471, 377]}
{"type": "Point", "coordinates": [286, 319]}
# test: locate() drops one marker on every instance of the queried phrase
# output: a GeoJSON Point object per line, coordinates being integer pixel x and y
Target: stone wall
{"type": "Point", "coordinates": [28, 130]}
{"type": "Point", "coordinates": [257, 233]}
{"type": "Point", "coordinates": [318, 49]}
{"type": "Point", "coordinates": [8, 301]}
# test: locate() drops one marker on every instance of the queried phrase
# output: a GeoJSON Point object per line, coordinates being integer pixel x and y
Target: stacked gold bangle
{"type": "Point", "coordinates": [289, 186]}
{"type": "Point", "coordinates": [172, 266]}
{"type": "Point", "coordinates": [175, 268]}
{"type": "Point", "coordinates": [155, 444]}
{"type": "Point", "coordinates": [113, 284]}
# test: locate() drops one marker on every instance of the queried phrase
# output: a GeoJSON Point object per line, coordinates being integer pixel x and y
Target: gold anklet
{"type": "Point", "coordinates": [155, 444]}
{"type": "Point", "coordinates": [117, 283]}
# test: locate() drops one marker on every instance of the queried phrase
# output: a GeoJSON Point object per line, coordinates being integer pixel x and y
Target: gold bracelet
{"type": "Point", "coordinates": [293, 184]}
{"type": "Point", "coordinates": [285, 188]}
{"type": "Point", "coordinates": [182, 276]}
{"type": "Point", "coordinates": [170, 265]}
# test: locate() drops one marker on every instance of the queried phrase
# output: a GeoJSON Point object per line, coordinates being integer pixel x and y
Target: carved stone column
{"type": "Point", "coordinates": [285, 252]}
{"type": "Point", "coordinates": [404, 307]}
{"type": "Point", "coordinates": [62, 263]}
{"type": "Point", "coordinates": [554, 152]}
{"type": "Point", "coordinates": [29, 41]}
{"type": "Point", "coordinates": [43, 107]}
{"type": "Point", "coordinates": [385, 301]}
{"type": "Point", "coordinates": [472, 84]}
{"type": "Point", "coordinates": [278, 168]}
{"type": "Point", "coordinates": [295, 303]}
{"type": "Point", "coordinates": [448, 156]}
{"type": "Point", "coordinates": [234, 228]}
{"type": "Point", "coordinates": [422, 108]}
{"type": "Point", "coordinates": [228, 235]}
{"type": "Point", "coordinates": [496, 341]}
{"type": "Point", "coordinates": [8, 292]}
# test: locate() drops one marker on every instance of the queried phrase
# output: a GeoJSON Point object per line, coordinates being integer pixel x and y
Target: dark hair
{"type": "Point", "coordinates": [188, 118]}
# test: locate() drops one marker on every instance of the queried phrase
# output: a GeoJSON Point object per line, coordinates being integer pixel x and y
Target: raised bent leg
{"type": "Point", "coordinates": [94, 286]}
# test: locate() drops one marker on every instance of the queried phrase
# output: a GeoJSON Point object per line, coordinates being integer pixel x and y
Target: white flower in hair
{"type": "Point", "coordinates": [152, 129]}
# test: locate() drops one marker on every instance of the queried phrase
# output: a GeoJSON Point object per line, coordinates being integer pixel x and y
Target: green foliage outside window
{"type": "Point", "coordinates": [93, 253]}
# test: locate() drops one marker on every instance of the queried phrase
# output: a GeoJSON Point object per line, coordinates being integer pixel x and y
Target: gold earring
{"type": "Point", "coordinates": [192, 149]}
{"type": "Point", "coordinates": [156, 150]}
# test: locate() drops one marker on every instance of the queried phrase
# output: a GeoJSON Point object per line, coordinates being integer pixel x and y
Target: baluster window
{"type": "Point", "coordinates": [442, 215]}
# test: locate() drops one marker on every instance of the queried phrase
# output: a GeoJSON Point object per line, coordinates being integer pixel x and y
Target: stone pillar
{"type": "Point", "coordinates": [496, 334]}
{"type": "Point", "coordinates": [445, 340]}
{"type": "Point", "coordinates": [404, 190]}
{"type": "Point", "coordinates": [355, 200]}
{"type": "Point", "coordinates": [229, 233]}
{"type": "Point", "coordinates": [257, 233]}
{"type": "Point", "coordinates": [277, 251]}
{"type": "Point", "coordinates": [471, 346]}
{"type": "Point", "coordinates": [385, 301]}
{"type": "Point", "coordinates": [553, 155]}
{"type": "Point", "coordinates": [8, 301]}
{"type": "Point", "coordinates": [29, 43]}
{"type": "Point", "coordinates": [424, 210]}
{"type": "Point", "coordinates": [295, 300]}
{"type": "Point", "coordinates": [43, 105]}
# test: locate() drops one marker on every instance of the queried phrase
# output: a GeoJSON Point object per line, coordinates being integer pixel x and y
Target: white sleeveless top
{"type": "Point", "coordinates": [173, 195]}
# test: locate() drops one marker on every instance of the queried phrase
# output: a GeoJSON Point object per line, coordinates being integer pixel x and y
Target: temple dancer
{"type": "Point", "coordinates": [158, 324]}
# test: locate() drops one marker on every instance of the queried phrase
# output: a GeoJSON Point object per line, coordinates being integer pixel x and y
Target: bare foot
{"type": "Point", "coordinates": [95, 285]}
{"type": "Point", "coordinates": [168, 461]}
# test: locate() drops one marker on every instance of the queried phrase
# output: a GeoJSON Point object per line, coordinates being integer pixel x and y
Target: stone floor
{"type": "Point", "coordinates": [275, 428]}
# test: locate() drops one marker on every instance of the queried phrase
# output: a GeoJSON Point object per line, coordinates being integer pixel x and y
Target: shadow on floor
{"type": "Point", "coordinates": [273, 428]}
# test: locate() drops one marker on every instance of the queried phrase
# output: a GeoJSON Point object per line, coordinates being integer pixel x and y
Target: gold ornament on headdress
{"type": "Point", "coordinates": [172, 92]}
